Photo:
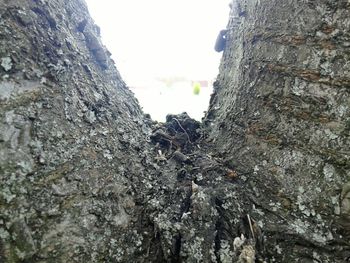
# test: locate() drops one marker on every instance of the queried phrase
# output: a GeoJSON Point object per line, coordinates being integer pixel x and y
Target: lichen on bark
{"type": "Point", "coordinates": [85, 176]}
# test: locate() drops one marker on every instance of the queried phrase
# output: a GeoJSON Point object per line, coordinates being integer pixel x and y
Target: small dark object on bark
{"type": "Point", "coordinates": [221, 41]}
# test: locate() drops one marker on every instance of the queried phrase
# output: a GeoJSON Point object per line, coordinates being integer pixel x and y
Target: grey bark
{"type": "Point", "coordinates": [72, 139]}
{"type": "Point", "coordinates": [280, 115]}
{"type": "Point", "coordinates": [86, 177]}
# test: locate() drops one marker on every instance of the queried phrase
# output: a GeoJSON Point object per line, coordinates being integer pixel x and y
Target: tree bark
{"type": "Point", "coordinates": [86, 177]}
{"type": "Point", "coordinates": [280, 117]}
{"type": "Point", "coordinates": [72, 139]}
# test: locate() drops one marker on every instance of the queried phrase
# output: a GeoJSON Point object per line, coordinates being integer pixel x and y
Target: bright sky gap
{"type": "Point", "coordinates": [162, 47]}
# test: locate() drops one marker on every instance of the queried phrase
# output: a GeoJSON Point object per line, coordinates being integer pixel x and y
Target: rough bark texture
{"type": "Point", "coordinates": [280, 116]}
{"type": "Point", "coordinates": [86, 177]}
{"type": "Point", "coordinates": [71, 139]}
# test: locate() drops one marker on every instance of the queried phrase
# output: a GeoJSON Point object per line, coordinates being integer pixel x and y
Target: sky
{"type": "Point", "coordinates": [161, 38]}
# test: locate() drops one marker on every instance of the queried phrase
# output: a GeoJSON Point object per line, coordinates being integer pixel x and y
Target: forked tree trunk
{"type": "Point", "coordinates": [81, 181]}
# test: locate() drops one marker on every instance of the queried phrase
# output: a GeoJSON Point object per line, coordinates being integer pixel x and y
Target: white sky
{"type": "Point", "coordinates": [161, 38]}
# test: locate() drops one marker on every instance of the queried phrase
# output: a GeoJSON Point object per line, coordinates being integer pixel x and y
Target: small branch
{"type": "Point", "coordinates": [251, 226]}
{"type": "Point", "coordinates": [182, 128]}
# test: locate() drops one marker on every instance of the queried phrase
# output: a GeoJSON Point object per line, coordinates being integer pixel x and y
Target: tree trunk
{"type": "Point", "coordinates": [86, 177]}
{"type": "Point", "coordinates": [280, 117]}
{"type": "Point", "coordinates": [72, 139]}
